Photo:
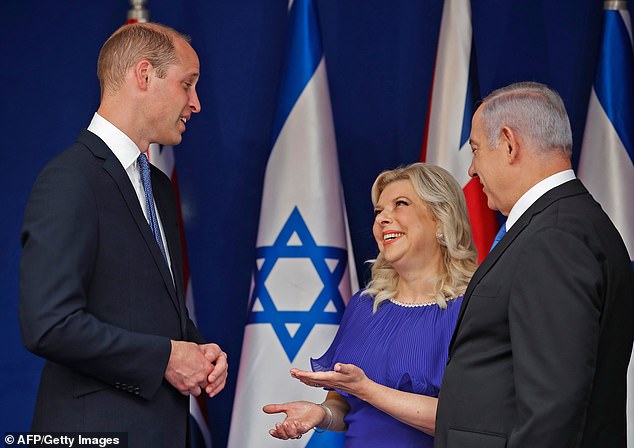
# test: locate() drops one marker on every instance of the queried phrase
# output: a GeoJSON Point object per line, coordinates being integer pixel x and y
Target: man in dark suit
{"type": "Point", "coordinates": [544, 336]}
{"type": "Point", "coordinates": [101, 281]}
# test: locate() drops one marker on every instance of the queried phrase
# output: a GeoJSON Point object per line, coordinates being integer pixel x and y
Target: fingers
{"type": "Point", "coordinates": [313, 379]}
{"type": "Point", "coordinates": [195, 391]}
{"type": "Point", "coordinates": [343, 368]}
{"type": "Point", "coordinates": [187, 368]}
{"type": "Point", "coordinates": [218, 376]}
{"type": "Point", "coordinates": [288, 430]}
{"type": "Point", "coordinates": [305, 376]}
{"type": "Point", "coordinates": [273, 408]}
{"type": "Point", "coordinates": [216, 387]}
{"type": "Point", "coordinates": [193, 368]}
{"type": "Point", "coordinates": [212, 351]}
{"type": "Point", "coordinates": [310, 382]}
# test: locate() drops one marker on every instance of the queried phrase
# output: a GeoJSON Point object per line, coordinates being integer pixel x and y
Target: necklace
{"type": "Point", "coordinates": [412, 305]}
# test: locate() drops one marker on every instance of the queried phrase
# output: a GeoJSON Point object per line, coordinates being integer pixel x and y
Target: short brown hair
{"type": "Point", "coordinates": [133, 43]}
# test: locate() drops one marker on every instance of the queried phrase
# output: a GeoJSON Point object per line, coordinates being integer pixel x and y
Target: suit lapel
{"type": "Point", "coordinates": [570, 188]}
{"type": "Point", "coordinates": [172, 236]}
{"type": "Point", "coordinates": [113, 167]}
{"type": "Point", "coordinates": [486, 266]}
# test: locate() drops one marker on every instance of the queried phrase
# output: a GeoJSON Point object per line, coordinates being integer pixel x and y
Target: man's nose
{"type": "Point", "coordinates": [194, 102]}
{"type": "Point", "coordinates": [472, 171]}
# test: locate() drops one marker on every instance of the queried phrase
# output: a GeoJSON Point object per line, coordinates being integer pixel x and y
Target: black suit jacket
{"type": "Point", "coordinates": [98, 302]}
{"type": "Point", "coordinates": [543, 340]}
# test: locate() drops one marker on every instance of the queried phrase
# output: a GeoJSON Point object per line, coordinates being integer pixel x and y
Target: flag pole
{"type": "Point", "coordinates": [138, 13]}
{"type": "Point", "coordinates": [606, 163]}
{"type": "Point", "coordinates": [163, 158]}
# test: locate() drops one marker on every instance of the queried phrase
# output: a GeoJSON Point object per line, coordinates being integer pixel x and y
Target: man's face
{"type": "Point", "coordinates": [488, 165]}
{"type": "Point", "coordinates": [173, 98]}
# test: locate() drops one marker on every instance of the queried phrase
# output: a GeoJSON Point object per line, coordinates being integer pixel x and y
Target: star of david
{"type": "Point", "coordinates": [317, 314]}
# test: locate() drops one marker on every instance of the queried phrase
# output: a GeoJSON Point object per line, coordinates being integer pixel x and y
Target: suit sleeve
{"type": "Point", "coordinates": [60, 240]}
{"type": "Point", "coordinates": [554, 314]}
{"type": "Point", "coordinates": [193, 335]}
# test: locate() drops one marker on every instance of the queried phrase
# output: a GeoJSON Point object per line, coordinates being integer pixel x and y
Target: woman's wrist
{"type": "Point", "coordinates": [366, 390]}
{"type": "Point", "coordinates": [328, 417]}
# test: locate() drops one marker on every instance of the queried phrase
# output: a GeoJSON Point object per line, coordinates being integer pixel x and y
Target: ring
{"type": "Point", "coordinates": [298, 437]}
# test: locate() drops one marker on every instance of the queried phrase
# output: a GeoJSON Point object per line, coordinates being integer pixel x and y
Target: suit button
{"type": "Point", "coordinates": [117, 385]}
{"type": "Point", "coordinates": [136, 392]}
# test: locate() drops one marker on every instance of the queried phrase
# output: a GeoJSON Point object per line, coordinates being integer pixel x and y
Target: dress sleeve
{"type": "Point", "coordinates": [325, 362]}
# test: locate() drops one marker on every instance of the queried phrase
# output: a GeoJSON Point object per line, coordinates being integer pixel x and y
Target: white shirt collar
{"type": "Point", "coordinates": [119, 143]}
{"type": "Point", "coordinates": [536, 192]}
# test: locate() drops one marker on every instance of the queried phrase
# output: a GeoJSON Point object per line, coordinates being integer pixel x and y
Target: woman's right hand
{"type": "Point", "coordinates": [301, 417]}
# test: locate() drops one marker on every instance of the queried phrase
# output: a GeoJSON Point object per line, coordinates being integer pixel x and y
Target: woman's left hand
{"type": "Point", "coordinates": [345, 377]}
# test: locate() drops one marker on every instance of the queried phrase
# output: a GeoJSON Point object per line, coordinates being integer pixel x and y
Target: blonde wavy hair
{"type": "Point", "coordinates": [445, 199]}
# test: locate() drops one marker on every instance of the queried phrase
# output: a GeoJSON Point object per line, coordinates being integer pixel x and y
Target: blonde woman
{"type": "Point", "coordinates": [385, 365]}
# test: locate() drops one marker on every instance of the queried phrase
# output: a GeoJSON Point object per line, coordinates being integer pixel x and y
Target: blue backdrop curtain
{"type": "Point", "coordinates": [380, 57]}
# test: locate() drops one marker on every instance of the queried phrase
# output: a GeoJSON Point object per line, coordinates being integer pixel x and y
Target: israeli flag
{"type": "Point", "coordinates": [304, 270]}
{"type": "Point", "coordinates": [606, 165]}
{"type": "Point", "coordinates": [453, 97]}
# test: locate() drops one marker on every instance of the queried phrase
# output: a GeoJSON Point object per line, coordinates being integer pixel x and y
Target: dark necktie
{"type": "Point", "coordinates": [144, 168]}
{"type": "Point", "coordinates": [499, 236]}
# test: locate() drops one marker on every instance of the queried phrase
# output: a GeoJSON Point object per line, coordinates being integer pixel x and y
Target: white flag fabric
{"type": "Point", "coordinates": [606, 164]}
{"type": "Point", "coordinates": [453, 97]}
{"type": "Point", "coordinates": [304, 271]}
{"type": "Point", "coordinates": [162, 157]}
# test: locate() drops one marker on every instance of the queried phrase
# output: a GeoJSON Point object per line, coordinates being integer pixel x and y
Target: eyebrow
{"type": "Point", "coordinates": [394, 200]}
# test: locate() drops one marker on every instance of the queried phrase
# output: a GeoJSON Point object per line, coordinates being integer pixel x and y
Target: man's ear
{"type": "Point", "coordinates": [509, 143]}
{"type": "Point", "coordinates": [142, 71]}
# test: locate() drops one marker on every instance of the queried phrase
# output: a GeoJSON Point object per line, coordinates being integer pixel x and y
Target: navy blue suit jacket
{"type": "Point", "coordinates": [98, 302]}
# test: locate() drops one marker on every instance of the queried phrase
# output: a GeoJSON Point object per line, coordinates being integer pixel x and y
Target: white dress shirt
{"type": "Point", "coordinates": [536, 192]}
{"type": "Point", "coordinates": [127, 152]}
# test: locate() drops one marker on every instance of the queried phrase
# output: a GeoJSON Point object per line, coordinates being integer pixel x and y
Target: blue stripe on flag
{"type": "Point", "coordinates": [303, 54]}
{"type": "Point", "coordinates": [615, 78]}
{"type": "Point", "coordinates": [472, 97]}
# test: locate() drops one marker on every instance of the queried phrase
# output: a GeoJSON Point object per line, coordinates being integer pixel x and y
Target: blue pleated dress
{"type": "Point", "coordinates": [402, 347]}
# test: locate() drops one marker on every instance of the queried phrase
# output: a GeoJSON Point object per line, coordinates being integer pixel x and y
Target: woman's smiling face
{"type": "Point", "coordinates": [404, 227]}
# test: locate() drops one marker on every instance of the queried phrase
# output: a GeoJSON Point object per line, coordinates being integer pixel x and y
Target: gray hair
{"type": "Point", "coordinates": [533, 110]}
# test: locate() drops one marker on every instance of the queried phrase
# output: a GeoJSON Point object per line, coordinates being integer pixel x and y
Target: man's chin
{"type": "Point", "coordinates": [172, 141]}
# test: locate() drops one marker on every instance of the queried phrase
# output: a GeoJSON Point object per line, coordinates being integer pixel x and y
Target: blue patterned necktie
{"type": "Point", "coordinates": [144, 168]}
{"type": "Point", "coordinates": [499, 236]}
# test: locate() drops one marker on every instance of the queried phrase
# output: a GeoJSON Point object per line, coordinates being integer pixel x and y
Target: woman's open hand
{"type": "Point", "coordinates": [345, 377]}
{"type": "Point", "coordinates": [301, 416]}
